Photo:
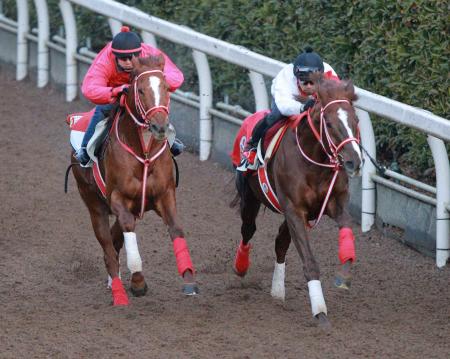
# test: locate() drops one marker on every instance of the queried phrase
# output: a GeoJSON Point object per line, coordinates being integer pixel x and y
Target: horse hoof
{"type": "Point", "coordinates": [342, 283]}
{"type": "Point", "coordinates": [238, 273]}
{"type": "Point", "coordinates": [139, 292]}
{"type": "Point", "coordinates": [190, 289]}
{"type": "Point", "coordinates": [323, 322]}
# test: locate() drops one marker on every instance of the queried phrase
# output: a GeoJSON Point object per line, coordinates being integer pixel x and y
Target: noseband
{"type": "Point", "coordinates": [145, 115]}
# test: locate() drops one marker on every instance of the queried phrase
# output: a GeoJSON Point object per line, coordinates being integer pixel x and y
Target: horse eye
{"type": "Point", "coordinates": [140, 91]}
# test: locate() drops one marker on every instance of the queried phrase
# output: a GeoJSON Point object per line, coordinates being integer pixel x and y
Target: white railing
{"type": "Point", "coordinates": [437, 128]}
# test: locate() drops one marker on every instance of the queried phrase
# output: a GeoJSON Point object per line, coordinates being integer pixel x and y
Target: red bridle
{"type": "Point", "coordinates": [146, 115]}
{"type": "Point", "coordinates": [333, 157]}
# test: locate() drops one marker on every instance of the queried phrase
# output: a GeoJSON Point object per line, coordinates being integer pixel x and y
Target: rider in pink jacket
{"type": "Point", "coordinates": [109, 75]}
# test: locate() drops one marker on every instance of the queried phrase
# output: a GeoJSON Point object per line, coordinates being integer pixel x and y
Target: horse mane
{"type": "Point", "coordinates": [329, 89]}
{"type": "Point", "coordinates": [152, 62]}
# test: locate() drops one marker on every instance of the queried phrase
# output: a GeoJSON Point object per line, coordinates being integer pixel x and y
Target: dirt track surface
{"type": "Point", "coordinates": [53, 296]}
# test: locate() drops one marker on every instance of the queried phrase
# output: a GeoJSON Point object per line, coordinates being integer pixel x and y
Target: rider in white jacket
{"type": "Point", "coordinates": [293, 92]}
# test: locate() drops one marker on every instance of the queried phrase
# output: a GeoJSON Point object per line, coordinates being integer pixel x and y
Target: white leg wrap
{"type": "Point", "coordinates": [134, 261]}
{"type": "Point", "coordinates": [278, 290]}
{"type": "Point", "coordinates": [316, 297]}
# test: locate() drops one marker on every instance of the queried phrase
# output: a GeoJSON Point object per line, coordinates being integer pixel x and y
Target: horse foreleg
{"type": "Point", "coordinates": [281, 247]}
{"type": "Point", "coordinates": [346, 251]}
{"type": "Point", "coordinates": [127, 223]}
{"type": "Point", "coordinates": [166, 208]}
{"type": "Point", "coordinates": [249, 208]}
{"type": "Point", "coordinates": [296, 223]}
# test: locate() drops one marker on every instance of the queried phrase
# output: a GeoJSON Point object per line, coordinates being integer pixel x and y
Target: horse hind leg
{"type": "Point", "coordinates": [282, 243]}
{"type": "Point", "coordinates": [166, 208]}
{"type": "Point", "coordinates": [249, 208]}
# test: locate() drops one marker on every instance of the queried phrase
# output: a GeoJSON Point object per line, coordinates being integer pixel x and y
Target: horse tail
{"type": "Point", "coordinates": [66, 177]}
{"type": "Point", "coordinates": [241, 184]}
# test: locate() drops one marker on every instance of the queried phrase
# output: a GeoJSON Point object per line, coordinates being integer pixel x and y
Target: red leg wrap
{"type": "Point", "coordinates": [182, 255]}
{"type": "Point", "coordinates": [346, 245]}
{"type": "Point", "coordinates": [242, 259]}
{"type": "Point", "coordinates": [118, 292]}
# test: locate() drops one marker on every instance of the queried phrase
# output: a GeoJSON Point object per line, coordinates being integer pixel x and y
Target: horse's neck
{"type": "Point", "coordinates": [128, 132]}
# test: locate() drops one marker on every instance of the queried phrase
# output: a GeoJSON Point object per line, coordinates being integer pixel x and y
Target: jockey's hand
{"type": "Point", "coordinates": [116, 91]}
{"type": "Point", "coordinates": [308, 104]}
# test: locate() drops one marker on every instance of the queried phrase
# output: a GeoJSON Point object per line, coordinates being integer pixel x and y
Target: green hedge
{"type": "Point", "coordinates": [398, 49]}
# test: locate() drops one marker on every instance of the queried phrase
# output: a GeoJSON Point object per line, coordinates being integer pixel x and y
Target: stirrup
{"type": "Point", "coordinates": [177, 147]}
{"type": "Point", "coordinates": [82, 156]}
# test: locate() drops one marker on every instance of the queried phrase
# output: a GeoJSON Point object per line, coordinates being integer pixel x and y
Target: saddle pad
{"type": "Point", "coordinates": [245, 132]}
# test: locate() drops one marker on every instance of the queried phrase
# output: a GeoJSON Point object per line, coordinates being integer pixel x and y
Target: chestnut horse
{"type": "Point", "coordinates": [138, 173]}
{"type": "Point", "coordinates": [309, 177]}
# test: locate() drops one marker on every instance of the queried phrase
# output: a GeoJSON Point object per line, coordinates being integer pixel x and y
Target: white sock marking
{"type": "Point", "coordinates": [134, 261]}
{"type": "Point", "coordinates": [343, 116]}
{"type": "Point", "coordinates": [154, 85]}
{"type": "Point", "coordinates": [316, 297]}
{"type": "Point", "coordinates": [278, 289]}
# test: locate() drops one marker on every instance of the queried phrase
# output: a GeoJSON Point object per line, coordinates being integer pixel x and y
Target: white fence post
{"type": "Point", "coordinates": [206, 101]}
{"type": "Point", "coordinates": [114, 25]}
{"type": "Point", "coordinates": [43, 38]}
{"type": "Point", "coordinates": [149, 38]}
{"type": "Point", "coordinates": [259, 91]}
{"type": "Point", "coordinates": [71, 49]}
{"type": "Point", "coordinates": [368, 195]}
{"type": "Point", "coordinates": [443, 199]}
{"type": "Point", "coordinates": [23, 27]}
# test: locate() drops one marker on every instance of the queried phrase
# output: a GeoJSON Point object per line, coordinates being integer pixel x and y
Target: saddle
{"type": "Point", "coordinates": [266, 146]}
{"type": "Point", "coordinates": [78, 124]}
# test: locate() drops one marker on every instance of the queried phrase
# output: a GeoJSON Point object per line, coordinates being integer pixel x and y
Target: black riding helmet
{"type": "Point", "coordinates": [126, 43]}
{"type": "Point", "coordinates": [306, 63]}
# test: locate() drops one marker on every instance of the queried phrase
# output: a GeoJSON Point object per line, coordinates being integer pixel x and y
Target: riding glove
{"type": "Point", "coordinates": [307, 105]}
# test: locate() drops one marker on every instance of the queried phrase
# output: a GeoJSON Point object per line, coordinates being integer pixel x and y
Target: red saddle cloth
{"type": "Point", "coordinates": [79, 121]}
{"type": "Point", "coordinates": [245, 132]}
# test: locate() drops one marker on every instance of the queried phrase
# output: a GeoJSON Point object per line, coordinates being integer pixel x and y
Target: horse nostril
{"type": "Point", "coordinates": [349, 165]}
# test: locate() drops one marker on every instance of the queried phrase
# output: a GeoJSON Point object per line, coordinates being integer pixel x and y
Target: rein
{"type": "Point", "coordinates": [333, 153]}
{"type": "Point", "coordinates": [146, 115]}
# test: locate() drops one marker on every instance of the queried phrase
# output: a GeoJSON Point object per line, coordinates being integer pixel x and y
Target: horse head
{"type": "Point", "coordinates": [149, 95]}
{"type": "Point", "coordinates": [338, 123]}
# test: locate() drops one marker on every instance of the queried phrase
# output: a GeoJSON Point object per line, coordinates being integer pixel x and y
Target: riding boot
{"type": "Point", "coordinates": [177, 147]}
{"type": "Point", "coordinates": [82, 156]}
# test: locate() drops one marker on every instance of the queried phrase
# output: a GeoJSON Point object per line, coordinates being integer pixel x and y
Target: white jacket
{"type": "Point", "coordinates": [286, 92]}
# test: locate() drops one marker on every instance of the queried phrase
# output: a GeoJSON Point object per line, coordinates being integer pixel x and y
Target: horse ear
{"type": "Point", "coordinates": [349, 86]}
{"type": "Point", "coordinates": [350, 90]}
{"type": "Point", "coordinates": [160, 61]}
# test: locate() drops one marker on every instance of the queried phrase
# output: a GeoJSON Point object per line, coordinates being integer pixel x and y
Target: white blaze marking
{"type": "Point", "coordinates": [343, 116]}
{"type": "Point", "coordinates": [154, 85]}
